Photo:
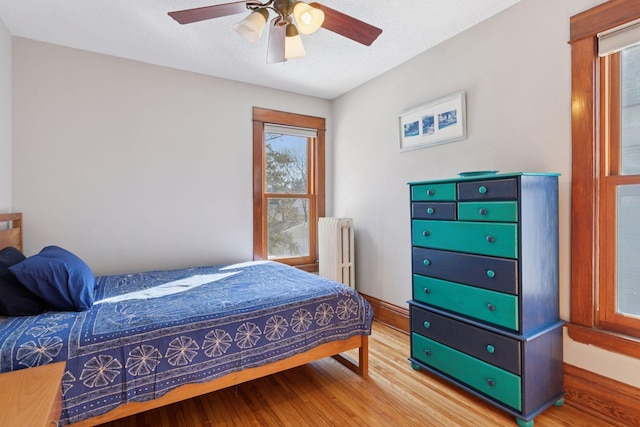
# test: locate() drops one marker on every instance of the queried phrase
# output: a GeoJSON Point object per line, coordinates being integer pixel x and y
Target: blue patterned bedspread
{"type": "Point", "coordinates": [149, 333]}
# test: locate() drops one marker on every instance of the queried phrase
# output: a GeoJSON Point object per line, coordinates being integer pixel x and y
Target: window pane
{"type": "Point", "coordinates": [286, 169]}
{"type": "Point", "coordinates": [288, 227]}
{"type": "Point", "coordinates": [630, 109]}
{"type": "Point", "coordinates": [628, 248]}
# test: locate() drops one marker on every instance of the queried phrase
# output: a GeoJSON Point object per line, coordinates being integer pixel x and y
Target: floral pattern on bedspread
{"type": "Point", "coordinates": [149, 333]}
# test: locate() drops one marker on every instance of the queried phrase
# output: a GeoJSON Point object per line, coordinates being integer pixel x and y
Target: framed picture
{"type": "Point", "coordinates": [436, 122]}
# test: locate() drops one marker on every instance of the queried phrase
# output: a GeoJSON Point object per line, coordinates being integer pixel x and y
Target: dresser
{"type": "Point", "coordinates": [484, 312]}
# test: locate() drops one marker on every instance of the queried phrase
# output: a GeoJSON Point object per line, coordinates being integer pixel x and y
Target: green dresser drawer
{"type": "Point", "coordinates": [439, 192]}
{"type": "Point", "coordinates": [488, 211]}
{"type": "Point", "coordinates": [488, 379]}
{"type": "Point", "coordinates": [484, 238]}
{"type": "Point", "coordinates": [489, 306]}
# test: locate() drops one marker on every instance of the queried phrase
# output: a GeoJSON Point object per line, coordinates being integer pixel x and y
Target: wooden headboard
{"type": "Point", "coordinates": [11, 230]}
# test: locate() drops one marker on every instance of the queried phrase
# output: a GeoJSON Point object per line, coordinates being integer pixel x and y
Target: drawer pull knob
{"type": "Point", "coordinates": [430, 210]}
{"type": "Point", "coordinates": [482, 189]}
{"type": "Point", "coordinates": [430, 192]}
{"type": "Point", "coordinates": [426, 233]}
{"type": "Point", "coordinates": [427, 352]}
{"type": "Point", "coordinates": [491, 274]}
{"type": "Point", "coordinates": [427, 291]}
{"type": "Point", "coordinates": [490, 349]}
{"type": "Point", "coordinates": [482, 211]}
{"type": "Point", "coordinates": [426, 262]}
{"type": "Point", "coordinates": [490, 238]}
{"type": "Point", "coordinates": [427, 325]}
{"type": "Point", "coordinates": [490, 382]}
{"type": "Point", "coordinates": [491, 307]}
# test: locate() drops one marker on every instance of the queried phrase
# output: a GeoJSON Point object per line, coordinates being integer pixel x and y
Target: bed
{"type": "Point", "coordinates": [155, 338]}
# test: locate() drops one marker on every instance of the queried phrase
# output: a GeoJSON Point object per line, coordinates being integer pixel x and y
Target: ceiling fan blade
{"type": "Point", "coordinates": [348, 26]}
{"type": "Point", "coordinates": [275, 51]}
{"type": "Point", "coordinates": [188, 16]}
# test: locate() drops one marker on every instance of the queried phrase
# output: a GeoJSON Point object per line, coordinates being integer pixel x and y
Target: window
{"type": "Point", "coordinates": [288, 170]}
{"type": "Point", "coordinates": [605, 193]}
{"type": "Point", "coordinates": [619, 290]}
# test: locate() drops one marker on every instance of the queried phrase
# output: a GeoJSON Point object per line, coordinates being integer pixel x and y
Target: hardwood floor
{"type": "Point", "coordinates": [325, 393]}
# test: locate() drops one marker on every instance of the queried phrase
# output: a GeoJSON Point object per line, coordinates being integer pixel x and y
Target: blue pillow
{"type": "Point", "coordinates": [15, 299]}
{"type": "Point", "coordinates": [59, 277]}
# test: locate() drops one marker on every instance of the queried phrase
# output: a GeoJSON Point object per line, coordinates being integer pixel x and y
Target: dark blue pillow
{"type": "Point", "coordinates": [15, 299]}
{"type": "Point", "coordinates": [11, 256]}
{"type": "Point", "coordinates": [59, 277]}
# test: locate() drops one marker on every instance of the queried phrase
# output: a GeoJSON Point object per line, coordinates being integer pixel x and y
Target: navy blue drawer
{"type": "Point", "coordinates": [426, 210]}
{"type": "Point", "coordinates": [496, 189]}
{"type": "Point", "coordinates": [497, 274]}
{"type": "Point", "coordinates": [496, 349]}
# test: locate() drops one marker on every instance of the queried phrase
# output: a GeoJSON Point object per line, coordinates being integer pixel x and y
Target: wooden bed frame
{"type": "Point", "coordinates": [12, 236]}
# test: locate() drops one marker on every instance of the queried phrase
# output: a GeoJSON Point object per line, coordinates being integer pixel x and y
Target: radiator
{"type": "Point", "coordinates": [336, 250]}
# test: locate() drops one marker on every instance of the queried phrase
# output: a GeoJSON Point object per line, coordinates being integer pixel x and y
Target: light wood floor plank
{"type": "Point", "coordinates": [325, 393]}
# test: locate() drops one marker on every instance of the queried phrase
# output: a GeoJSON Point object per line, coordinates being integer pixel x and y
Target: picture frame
{"type": "Point", "coordinates": [437, 122]}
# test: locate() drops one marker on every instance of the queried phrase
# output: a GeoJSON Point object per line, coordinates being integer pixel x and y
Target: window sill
{"type": "Point", "coordinates": [607, 340]}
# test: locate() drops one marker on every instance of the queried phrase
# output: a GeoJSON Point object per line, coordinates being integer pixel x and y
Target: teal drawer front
{"type": "Point", "coordinates": [488, 211]}
{"type": "Point", "coordinates": [489, 306]}
{"type": "Point", "coordinates": [484, 238]}
{"type": "Point", "coordinates": [439, 192]}
{"type": "Point", "coordinates": [495, 382]}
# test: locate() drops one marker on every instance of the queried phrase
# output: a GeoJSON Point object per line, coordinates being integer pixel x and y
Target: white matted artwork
{"type": "Point", "coordinates": [433, 123]}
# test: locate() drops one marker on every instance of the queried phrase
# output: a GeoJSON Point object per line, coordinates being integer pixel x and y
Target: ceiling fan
{"type": "Point", "coordinates": [284, 38]}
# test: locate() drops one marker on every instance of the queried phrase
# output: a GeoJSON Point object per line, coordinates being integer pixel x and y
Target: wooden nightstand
{"type": "Point", "coordinates": [32, 396]}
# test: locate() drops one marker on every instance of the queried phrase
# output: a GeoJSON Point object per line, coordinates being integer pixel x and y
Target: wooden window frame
{"type": "Point", "coordinates": [262, 116]}
{"type": "Point", "coordinates": [611, 179]}
{"type": "Point", "coordinates": [586, 168]}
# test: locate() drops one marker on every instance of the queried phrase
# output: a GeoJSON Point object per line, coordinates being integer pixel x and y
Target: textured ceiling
{"type": "Point", "coordinates": [142, 30]}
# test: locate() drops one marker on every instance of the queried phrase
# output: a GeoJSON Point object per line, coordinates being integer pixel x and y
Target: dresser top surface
{"type": "Point", "coordinates": [479, 175]}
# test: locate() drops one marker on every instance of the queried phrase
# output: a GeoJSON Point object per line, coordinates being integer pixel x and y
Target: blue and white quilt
{"type": "Point", "coordinates": [149, 333]}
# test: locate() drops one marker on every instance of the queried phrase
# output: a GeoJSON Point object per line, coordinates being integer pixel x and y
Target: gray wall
{"type": "Point", "coordinates": [516, 71]}
{"type": "Point", "coordinates": [5, 118]}
{"type": "Point", "coordinates": [134, 166]}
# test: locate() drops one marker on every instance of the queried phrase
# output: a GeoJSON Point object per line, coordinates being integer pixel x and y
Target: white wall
{"type": "Point", "coordinates": [5, 118]}
{"type": "Point", "coordinates": [516, 71]}
{"type": "Point", "coordinates": [135, 166]}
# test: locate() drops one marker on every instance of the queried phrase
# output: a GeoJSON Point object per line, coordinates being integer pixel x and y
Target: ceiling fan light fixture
{"type": "Point", "coordinates": [308, 18]}
{"type": "Point", "coordinates": [251, 27]}
{"type": "Point", "coordinates": [293, 47]}
{"type": "Point", "coordinates": [291, 16]}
